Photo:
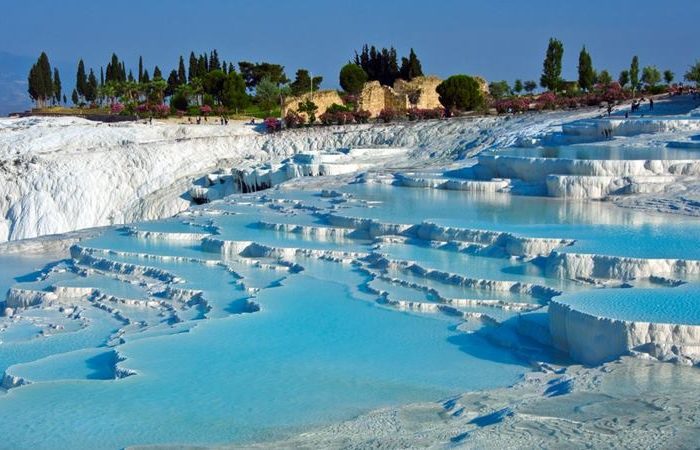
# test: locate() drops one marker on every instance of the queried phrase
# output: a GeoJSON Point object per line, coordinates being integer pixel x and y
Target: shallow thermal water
{"type": "Point", "coordinates": [185, 343]}
{"type": "Point", "coordinates": [601, 152]}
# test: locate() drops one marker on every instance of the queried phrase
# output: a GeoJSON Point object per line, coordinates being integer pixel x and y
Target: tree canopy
{"type": "Point", "coordinates": [551, 70]}
{"type": "Point", "coordinates": [586, 74]}
{"type": "Point", "coordinates": [460, 93]}
{"type": "Point", "coordinates": [352, 78]}
{"type": "Point", "coordinates": [303, 83]}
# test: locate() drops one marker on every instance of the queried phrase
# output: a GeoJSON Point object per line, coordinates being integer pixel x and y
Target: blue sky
{"type": "Point", "coordinates": [498, 39]}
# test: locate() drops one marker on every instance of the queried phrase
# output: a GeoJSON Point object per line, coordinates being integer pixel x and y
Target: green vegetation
{"type": "Point", "coordinates": [499, 89]}
{"type": "Point", "coordinates": [586, 74]}
{"type": "Point", "coordinates": [460, 93]}
{"type": "Point", "coordinates": [382, 65]}
{"type": "Point", "coordinates": [634, 74]}
{"type": "Point", "coordinates": [693, 74]}
{"type": "Point", "coordinates": [40, 84]}
{"type": "Point", "coordinates": [651, 76]}
{"type": "Point", "coordinates": [352, 78]}
{"type": "Point", "coordinates": [551, 70]}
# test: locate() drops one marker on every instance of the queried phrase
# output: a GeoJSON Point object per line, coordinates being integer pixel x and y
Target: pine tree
{"type": "Point", "coordinates": [81, 80]}
{"type": "Point", "coordinates": [145, 78]}
{"type": "Point", "coordinates": [551, 70]}
{"type": "Point", "coordinates": [411, 67]}
{"type": "Point", "coordinates": [56, 86]}
{"type": "Point", "coordinates": [634, 73]}
{"type": "Point", "coordinates": [202, 63]}
{"type": "Point", "coordinates": [74, 97]}
{"type": "Point", "coordinates": [157, 75]}
{"type": "Point", "coordinates": [102, 77]}
{"type": "Point", "coordinates": [140, 69]}
{"type": "Point", "coordinates": [181, 74]}
{"type": "Point", "coordinates": [130, 78]}
{"type": "Point", "coordinates": [586, 74]}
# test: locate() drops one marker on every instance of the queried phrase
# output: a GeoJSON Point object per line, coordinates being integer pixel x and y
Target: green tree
{"type": "Point", "coordinates": [460, 93]}
{"type": "Point", "coordinates": [669, 76]}
{"type": "Point", "coordinates": [267, 94]}
{"type": "Point", "coordinates": [65, 101]}
{"type": "Point", "coordinates": [193, 68]}
{"type": "Point", "coordinates": [530, 86]}
{"type": "Point", "coordinates": [651, 76]}
{"type": "Point", "coordinates": [39, 81]}
{"type": "Point", "coordinates": [56, 86]}
{"type": "Point", "coordinates": [604, 78]}
{"type": "Point", "coordinates": [157, 74]}
{"type": "Point", "coordinates": [253, 73]}
{"type": "Point", "coordinates": [213, 84]}
{"type": "Point", "coordinates": [310, 109]}
{"type": "Point", "coordinates": [352, 78]}
{"type": "Point", "coordinates": [91, 90]}
{"type": "Point", "coordinates": [586, 74]}
{"type": "Point", "coordinates": [181, 74]}
{"type": "Point", "coordinates": [81, 79]}
{"type": "Point", "coordinates": [173, 83]}
{"type": "Point", "coordinates": [140, 69]}
{"type": "Point", "coordinates": [499, 89]}
{"type": "Point", "coordinates": [74, 97]}
{"type": "Point", "coordinates": [410, 67]}
{"type": "Point", "coordinates": [518, 86]}
{"type": "Point", "coordinates": [234, 94]}
{"type": "Point", "coordinates": [302, 83]}
{"type": "Point", "coordinates": [551, 68]}
{"type": "Point", "coordinates": [624, 78]}
{"type": "Point", "coordinates": [634, 74]}
{"type": "Point", "coordinates": [693, 74]}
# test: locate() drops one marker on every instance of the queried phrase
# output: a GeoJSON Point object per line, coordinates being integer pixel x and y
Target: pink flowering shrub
{"type": "Point", "coordinates": [387, 115]}
{"type": "Point", "coordinates": [161, 110]}
{"type": "Point", "coordinates": [205, 109]}
{"type": "Point", "coordinates": [512, 105]}
{"type": "Point", "coordinates": [293, 120]}
{"type": "Point", "coordinates": [547, 100]}
{"type": "Point", "coordinates": [142, 108]}
{"type": "Point", "coordinates": [116, 108]}
{"type": "Point", "coordinates": [426, 114]}
{"type": "Point", "coordinates": [337, 117]}
{"type": "Point", "coordinates": [273, 124]}
{"type": "Point", "coordinates": [361, 116]}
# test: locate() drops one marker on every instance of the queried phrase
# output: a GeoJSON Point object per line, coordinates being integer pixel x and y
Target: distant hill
{"type": "Point", "coordinates": [13, 83]}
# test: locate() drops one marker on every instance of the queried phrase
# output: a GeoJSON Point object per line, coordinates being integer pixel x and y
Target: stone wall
{"type": "Point", "coordinates": [428, 98]}
{"type": "Point", "coordinates": [375, 97]}
{"type": "Point", "coordinates": [322, 99]}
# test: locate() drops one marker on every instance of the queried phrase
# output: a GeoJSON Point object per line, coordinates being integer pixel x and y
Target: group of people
{"type": "Point", "coordinates": [223, 120]}
{"type": "Point", "coordinates": [636, 104]}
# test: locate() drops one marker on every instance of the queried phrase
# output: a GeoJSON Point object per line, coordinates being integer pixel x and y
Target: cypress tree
{"type": "Point", "coordinates": [551, 70]}
{"type": "Point", "coordinates": [145, 78]}
{"type": "Point", "coordinates": [56, 86]}
{"type": "Point", "coordinates": [411, 67]}
{"type": "Point", "coordinates": [91, 93]}
{"type": "Point", "coordinates": [140, 69]}
{"type": "Point", "coordinates": [173, 83]}
{"type": "Point", "coordinates": [586, 74]}
{"type": "Point", "coordinates": [74, 97]}
{"type": "Point", "coordinates": [634, 73]}
{"type": "Point", "coordinates": [130, 78]}
{"type": "Point", "coordinates": [214, 61]}
{"type": "Point", "coordinates": [181, 74]}
{"type": "Point", "coordinates": [102, 77]}
{"type": "Point", "coordinates": [231, 69]}
{"type": "Point", "coordinates": [81, 79]}
{"type": "Point", "coordinates": [202, 68]}
{"type": "Point", "coordinates": [157, 75]}
{"type": "Point", "coordinates": [65, 101]}
{"type": "Point", "coordinates": [193, 67]}
{"type": "Point", "coordinates": [33, 84]}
